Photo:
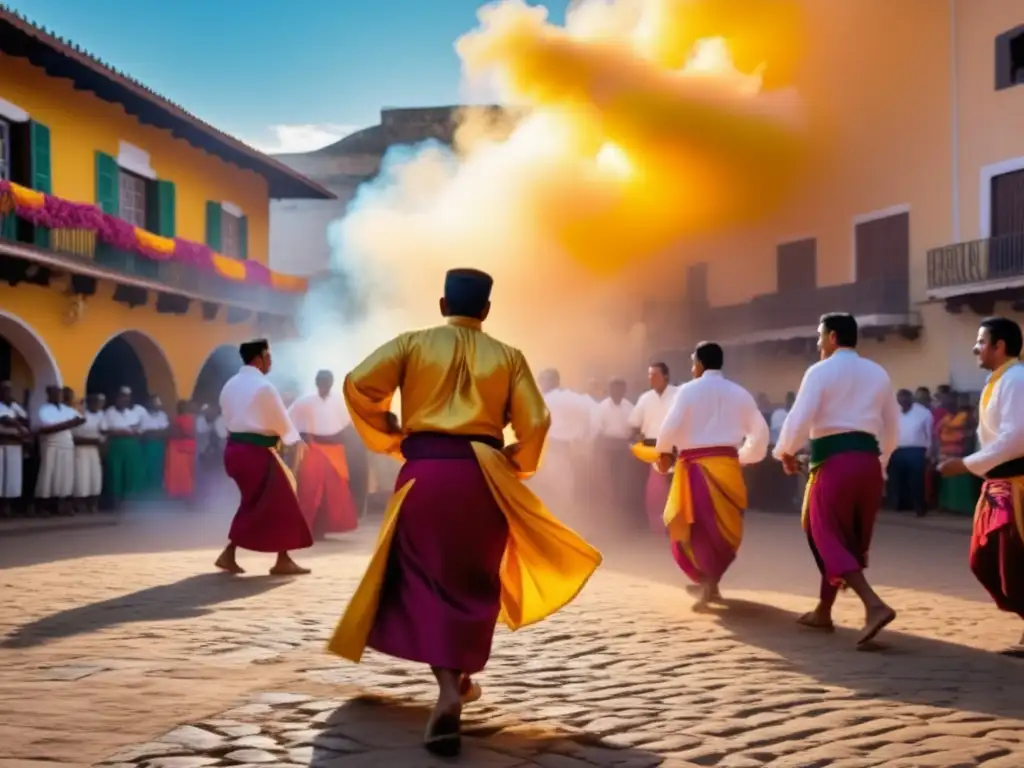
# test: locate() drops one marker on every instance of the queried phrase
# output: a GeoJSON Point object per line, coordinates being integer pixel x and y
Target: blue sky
{"type": "Point", "coordinates": [281, 75]}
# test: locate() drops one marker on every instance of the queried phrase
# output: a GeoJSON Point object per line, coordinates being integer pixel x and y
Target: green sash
{"type": "Point", "coordinates": [843, 442]}
{"type": "Point", "coordinates": [254, 438]}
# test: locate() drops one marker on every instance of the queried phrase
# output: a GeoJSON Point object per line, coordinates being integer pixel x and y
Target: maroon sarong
{"type": "Point", "coordinates": [997, 552]}
{"type": "Point", "coordinates": [655, 498]}
{"type": "Point", "coordinates": [269, 518]}
{"type": "Point", "coordinates": [441, 594]}
{"type": "Point", "coordinates": [844, 496]}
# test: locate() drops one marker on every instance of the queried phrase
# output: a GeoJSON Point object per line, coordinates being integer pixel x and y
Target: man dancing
{"type": "Point", "coordinates": [997, 543]}
{"type": "Point", "coordinates": [322, 473]}
{"type": "Point", "coordinates": [646, 419]}
{"type": "Point", "coordinates": [709, 417]}
{"type": "Point", "coordinates": [269, 518]}
{"type": "Point", "coordinates": [464, 541]}
{"type": "Point", "coordinates": [847, 408]}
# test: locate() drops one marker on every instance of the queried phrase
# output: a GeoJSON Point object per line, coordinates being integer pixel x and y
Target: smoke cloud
{"type": "Point", "coordinates": [637, 125]}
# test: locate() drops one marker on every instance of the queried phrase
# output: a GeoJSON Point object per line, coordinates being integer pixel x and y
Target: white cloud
{"type": "Point", "coordinates": [287, 139]}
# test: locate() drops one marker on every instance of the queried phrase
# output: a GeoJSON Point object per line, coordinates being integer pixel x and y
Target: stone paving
{"type": "Point", "coordinates": [135, 660]}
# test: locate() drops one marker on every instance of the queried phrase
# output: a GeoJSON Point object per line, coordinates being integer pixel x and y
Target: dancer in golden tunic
{"type": "Point", "coordinates": [464, 542]}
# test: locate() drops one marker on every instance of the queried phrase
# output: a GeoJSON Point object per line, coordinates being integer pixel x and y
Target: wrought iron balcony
{"type": "Point", "coordinates": [79, 252]}
{"type": "Point", "coordinates": [976, 265]}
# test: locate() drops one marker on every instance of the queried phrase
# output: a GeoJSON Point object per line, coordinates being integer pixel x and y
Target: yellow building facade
{"type": "Point", "coordinates": [77, 305]}
{"type": "Point", "coordinates": [912, 218]}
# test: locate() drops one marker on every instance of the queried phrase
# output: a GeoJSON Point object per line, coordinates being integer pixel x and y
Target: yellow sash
{"type": "Point", "coordinates": [648, 454]}
{"type": "Point", "coordinates": [724, 477]}
{"type": "Point", "coordinates": [545, 564]}
{"type": "Point", "coordinates": [990, 385]}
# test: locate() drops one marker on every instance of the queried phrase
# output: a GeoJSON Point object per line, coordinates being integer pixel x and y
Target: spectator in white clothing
{"type": "Point", "coordinates": [909, 462]}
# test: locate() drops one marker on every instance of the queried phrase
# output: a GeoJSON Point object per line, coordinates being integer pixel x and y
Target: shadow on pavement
{"type": "Point", "coordinates": [397, 726]}
{"type": "Point", "coordinates": [904, 668]}
{"type": "Point", "coordinates": [184, 599]}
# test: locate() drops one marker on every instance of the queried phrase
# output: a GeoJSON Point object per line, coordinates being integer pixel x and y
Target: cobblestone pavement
{"type": "Point", "coordinates": [143, 658]}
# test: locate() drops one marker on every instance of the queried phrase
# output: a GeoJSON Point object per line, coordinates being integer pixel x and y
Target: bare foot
{"type": "Point", "coordinates": [815, 620]}
{"type": "Point", "coordinates": [878, 618]}
{"type": "Point", "coordinates": [444, 730]}
{"type": "Point", "coordinates": [288, 568]}
{"type": "Point", "coordinates": [228, 564]}
{"type": "Point", "coordinates": [470, 690]}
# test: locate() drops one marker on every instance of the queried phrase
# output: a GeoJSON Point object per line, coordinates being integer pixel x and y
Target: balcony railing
{"type": "Point", "coordinates": [779, 311]}
{"type": "Point", "coordinates": [79, 251]}
{"type": "Point", "coordinates": [976, 262]}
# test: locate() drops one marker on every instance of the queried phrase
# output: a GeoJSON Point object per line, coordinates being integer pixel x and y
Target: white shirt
{"type": "Point", "coordinates": [712, 412]}
{"type": "Point", "coordinates": [1000, 424]}
{"type": "Point", "coordinates": [219, 429]}
{"type": "Point", "coordinates": [121, 421]}
{"type": "Point", "coordinates": [611, 420]}
{"type": "Point", "coordinates": [153, 422]}
{"type": "Point", "coordinates": [91, 429]}
{"type": "Point", "coordinates": [778, 419]}
{"type": "Point", "coordinates": [320, 416]}
{"type": "Point", "coordinates": [570, 415]}
{"type": "Point", "coordinates": [50, 415]}
{"type": "Point", "coordinates": [843, 393]}
{"type": "Point", "coordinates": [650, 411]}
{"type": "Point", "coordinates": [250, 403]}
{"type": "Point", "coordinates": [916, 427]}
{"type": "Point", "coordinates": [15, 411]}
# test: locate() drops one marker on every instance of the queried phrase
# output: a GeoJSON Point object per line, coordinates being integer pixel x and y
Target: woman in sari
{"type": "Point", "coordinates": [180, 468]}
{"type": "Point", "coordinates": [955, 433]}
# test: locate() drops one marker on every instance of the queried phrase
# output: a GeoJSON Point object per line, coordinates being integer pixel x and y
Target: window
{"type": "Point", "coordinates": [230, 235]}
{"type": "Point", "coordinates": [882, 248]}
{"type": "Point", "coordinates": [5, 150]}
{"type": "Point", "coordinates": [796, 266]}
{"type": "Point", "coordinates": [1007, 204]}
{"type": "Point", "coordinates": [132, 198]}
{"type": "Point", "coordinates": [1010, 59]}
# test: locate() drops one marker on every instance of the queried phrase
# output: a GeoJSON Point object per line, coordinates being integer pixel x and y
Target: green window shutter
{"type": "Point", "coordinates": [213, 212]}
{"type": "Point", "coordinates": [42, 180]}
{"type": "Point", "coordinates": [243, 237]}
{"type": "Point", "coordinates": [107, 184]}
{"type": "Point", "coordinates": [165, 208]}
{"type": "Point", "coordinates": [40, 170]}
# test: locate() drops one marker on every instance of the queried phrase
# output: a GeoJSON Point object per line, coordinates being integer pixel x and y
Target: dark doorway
{"type": "Point", "coordinates": [221, 365]}
{"type": "Point", "coordinates": [117, 365]}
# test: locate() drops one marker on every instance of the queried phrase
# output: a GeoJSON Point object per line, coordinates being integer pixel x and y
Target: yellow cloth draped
{"type": "Point", "coordinates": [724, 478]}
{"type": "Point", "coordinates": [231, 269]}
{"type": "Point", "coordinates": [648, 454]}
{"type": "Point", "coordinates": [156, 243]}
{"type": "Point", "coordinates": [457, 380]}
{"type": "Point", "coordinates": [27, 198]}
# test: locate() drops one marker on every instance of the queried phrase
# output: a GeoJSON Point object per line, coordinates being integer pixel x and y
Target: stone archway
{"type": "Point", "coordinates": [221, 364]}
{"type": "Point", "coordinates": [25, 360]}
{"type": "Point", "coordinates": [133, 359]}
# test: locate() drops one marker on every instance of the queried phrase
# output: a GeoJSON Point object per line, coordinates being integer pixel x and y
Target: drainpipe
{"type": "Point", "coordinates": [955, 115]}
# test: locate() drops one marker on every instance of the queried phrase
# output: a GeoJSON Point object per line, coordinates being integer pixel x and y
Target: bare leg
{"type": "Point", "coordinates": [443, 735]}
{"type": "Point", "coordinates": [877, 613]}
{"type": "Point", "coordinates": [285, 566]}
{"type": "Point", "coordinates": [227, 562]}
{"type": "Point", "coordinates": [469, 690]}
{"type": "Point", "coordinates": [821, 616]}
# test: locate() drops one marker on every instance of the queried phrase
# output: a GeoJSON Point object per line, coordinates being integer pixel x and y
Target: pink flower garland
{"type": "Point", "coordinates": [57, 213]}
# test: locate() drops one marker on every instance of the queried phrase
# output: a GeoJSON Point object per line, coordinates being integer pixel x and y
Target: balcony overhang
{"type": "Point", "coordinates": [906, 324]}
{"type": "Point", "coordinates": [282, 306]}
{"type": "Point", "coordinates": [988, 269]}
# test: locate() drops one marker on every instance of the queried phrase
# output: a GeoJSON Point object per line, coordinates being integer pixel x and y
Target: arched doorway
{"type": "Point", "coordinates": [221, 365]}
{"type": "Point", "coordinates": [26, 361]}
{"type": "Point", "coordinates": [132, 359]}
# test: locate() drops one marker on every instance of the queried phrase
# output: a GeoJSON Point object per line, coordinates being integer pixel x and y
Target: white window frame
{"type": "Point", "coordinates": [864, 218]}
{"type": "Point", "coordinates": [12, 112]}
{"type": "Point", "coordinates": [135, 160]}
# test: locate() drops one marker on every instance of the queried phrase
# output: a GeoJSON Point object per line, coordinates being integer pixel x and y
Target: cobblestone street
{"type": "Point", "coordinates": [120, 647]}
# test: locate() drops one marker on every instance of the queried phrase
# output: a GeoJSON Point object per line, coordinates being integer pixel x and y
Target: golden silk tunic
{"type": "Point", "coordinates": [456, 380]}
